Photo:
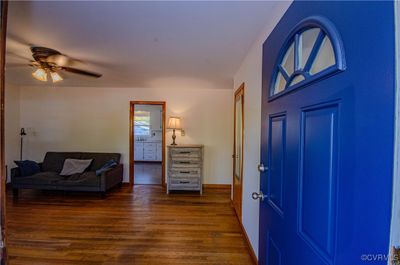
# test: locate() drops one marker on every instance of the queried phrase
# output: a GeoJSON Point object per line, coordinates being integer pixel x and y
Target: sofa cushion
{"type": "Point", "coordinates": [42, 178]}
{"type": "Point", "coordinates": [99, 159]}
{"type": "Point", "coordinates": [54, 161]}
{"type": "Point", "coordinates": [75, 166]}
{"type": "Point", "coordinates": [85, 179]}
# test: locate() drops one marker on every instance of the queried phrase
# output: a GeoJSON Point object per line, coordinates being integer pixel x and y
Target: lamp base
{"type": "Point", "coordinates": [173, 137]}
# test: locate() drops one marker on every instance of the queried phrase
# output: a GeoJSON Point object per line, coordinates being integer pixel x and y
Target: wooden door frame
{"type": "Point", "coordinates": [132, 142]}
{"type": "Point", "coordinates": [4, 8]}
{"type": "Point", "coordinates": [238, 93]}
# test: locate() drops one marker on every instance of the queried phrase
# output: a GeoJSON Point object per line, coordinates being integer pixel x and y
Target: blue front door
{"type": "Point", "coordinates": [328, 134]}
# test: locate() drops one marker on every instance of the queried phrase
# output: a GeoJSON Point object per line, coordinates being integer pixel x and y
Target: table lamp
{"type": "Point", "coordinates": [174, 123]}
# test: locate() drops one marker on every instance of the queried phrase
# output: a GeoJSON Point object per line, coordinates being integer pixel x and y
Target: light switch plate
{"type": "Point", "coordinates": [182, 132]}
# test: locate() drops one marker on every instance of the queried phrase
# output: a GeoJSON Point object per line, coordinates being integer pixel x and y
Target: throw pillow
{"type": "Point", "coordinates": [109, 164]}
{"type": "Point", "coordinates": [75, 166]}
{"type": "Point", "coordinates": [27, 167]}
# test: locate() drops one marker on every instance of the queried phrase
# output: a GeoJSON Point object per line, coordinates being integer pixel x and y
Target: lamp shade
{"type": "Point", "coordinates": [40, 74]}
{"type": "Point", "coordinates": [174, 123]}
{"type": "Point", "coordinates": [55, 77]}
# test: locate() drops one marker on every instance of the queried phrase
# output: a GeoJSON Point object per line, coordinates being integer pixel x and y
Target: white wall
{"type": "Point", "coordinates": [97, 119]}
{"type": "Point", "coordinates": [12, 127]}
{"type": "Point", "coordinates": [250, 74]}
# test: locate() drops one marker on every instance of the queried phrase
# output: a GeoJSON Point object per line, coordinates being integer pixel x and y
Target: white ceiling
{"type": "Point", "coordinates": [138, 44]}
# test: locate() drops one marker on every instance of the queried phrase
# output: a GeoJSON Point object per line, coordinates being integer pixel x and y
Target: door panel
{"type": "Point", "coordinates": [328, 142]}
{"type": "Point", "coordinates": [318, 176]}
{"type": "Point", "coordinates": [238, 151]}
{"type": "Point", "coordinates": [276, 166]}
{"type": "Point", "coordinates": [274, 253]}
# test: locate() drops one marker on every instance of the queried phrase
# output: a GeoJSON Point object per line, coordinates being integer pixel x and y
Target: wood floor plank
{"type": "Point", "coordinates": [131, 226]}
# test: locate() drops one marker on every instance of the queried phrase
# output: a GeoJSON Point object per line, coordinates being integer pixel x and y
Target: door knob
{"type": "Point", "coordinates": [257, 196]}
{"type": "Point", "coordinates": [262, 168]}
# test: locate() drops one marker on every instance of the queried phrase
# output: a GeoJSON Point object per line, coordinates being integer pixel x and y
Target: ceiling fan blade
{"type": "Point", "coordinates": [17, 39]}
{"type": "Point", "coordinates": [31, 64]}
{"type": "Point", "coordinates": [81, 72]}
{"type": "Point", "coordinates": [10, 53]}
{"type": "Point", "coordinates": [17, 65]}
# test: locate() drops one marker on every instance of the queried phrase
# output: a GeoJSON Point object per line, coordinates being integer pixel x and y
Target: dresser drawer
{"type": "Point", "coordinates": [184, 164]}
{"type": "Point", "coordinates": [184, 183]}
{"type": "Point", "coordinates": [185, 172]}
{"type": "Point", "coordinates": [186, 160]}
{"type": "Point", "coordinates": [186, 152]}
{"type": "Point", "coordinates": [181, 187]}
{"type": "Point", "coordinates": [188, 181]}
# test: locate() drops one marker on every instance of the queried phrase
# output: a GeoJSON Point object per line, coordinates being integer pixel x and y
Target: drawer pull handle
{"type": "Point", "coordinates": [184, 152]}
{"type": "Point", "coordinates": [184, 162]}
{"type": "Point", "coordinates": [184, 182]}
{"type": "Point", "coordinates": [184, 172]}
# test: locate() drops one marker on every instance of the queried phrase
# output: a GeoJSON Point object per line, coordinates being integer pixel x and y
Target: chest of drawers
{"type": "Point", "coordinates": [185, 168]}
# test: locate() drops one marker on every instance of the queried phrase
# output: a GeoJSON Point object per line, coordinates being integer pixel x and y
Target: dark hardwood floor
{"type": "Point", "coordinates": [143, 226]}
{"type": "Point", "coordinates": [148, 173]}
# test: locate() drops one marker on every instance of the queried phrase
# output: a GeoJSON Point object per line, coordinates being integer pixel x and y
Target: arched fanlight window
{"type": "Point", "coordinates": [312, 51]}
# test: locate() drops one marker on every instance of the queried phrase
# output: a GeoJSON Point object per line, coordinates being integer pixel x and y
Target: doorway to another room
{"type": "Point", "coordinates": [147, 142]}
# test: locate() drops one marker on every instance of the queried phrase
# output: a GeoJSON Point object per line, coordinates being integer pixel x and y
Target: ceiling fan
{"type": "Point", "coordinates": [50, 62]}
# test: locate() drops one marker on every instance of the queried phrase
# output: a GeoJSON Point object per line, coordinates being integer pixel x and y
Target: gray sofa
{"type": "Point", "coordinates": [49, 178]}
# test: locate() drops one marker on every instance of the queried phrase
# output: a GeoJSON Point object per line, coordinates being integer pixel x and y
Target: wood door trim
{"type": "Point", "coordinates": [238, 93]}
{"type": "Point", "coordinates": [132, 142]}
{"type": "Point", "coordinates": [4, 7]}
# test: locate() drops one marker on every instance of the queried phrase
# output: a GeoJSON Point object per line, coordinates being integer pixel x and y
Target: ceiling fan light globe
{"type": "Point", "coordinates": [40, 74]}
{"type": "Point", "coordinates": [55, 77]}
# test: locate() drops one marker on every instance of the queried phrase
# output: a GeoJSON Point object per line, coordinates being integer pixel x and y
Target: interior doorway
{"type": "Point", "coordinates": [238, 151]}
{"type": "Point", "coordinates": [147, 143]}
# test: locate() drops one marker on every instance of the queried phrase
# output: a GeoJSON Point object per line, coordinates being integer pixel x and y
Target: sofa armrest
{"type": "Point", "coordinates": [15, 173]}
{"type": "Point", "coordinates": [111, 177]}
